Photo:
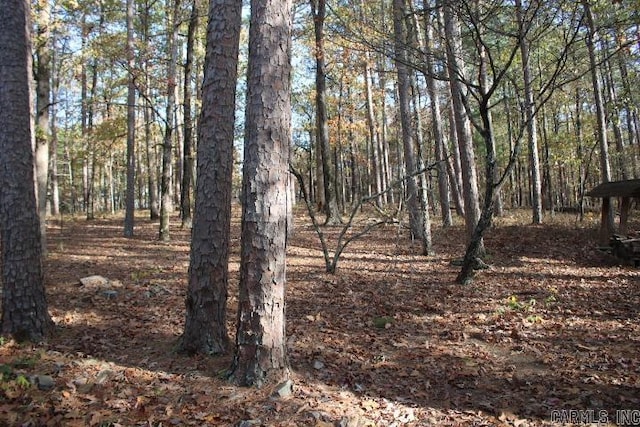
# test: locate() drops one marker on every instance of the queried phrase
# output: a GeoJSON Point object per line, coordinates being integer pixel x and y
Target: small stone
{"type": "Point", "coordinates": [249, 423]}
{"type": "Point", "coordinates": [103, 376]}
{"type": "Point", "coordinates": [45, 382]}
{"type": "Point", "coordinates": [80, 381]}
{"type": "Point", "coordinates": [110, 294]}
{"type": "Point", "coordinates": [350, 422]}
{"type": "Point", "coordinates": [284, 389]}
{"type": "Point", "coordinates": [318, 364]}
{"type": "Point", "coordinates": [94, 280]}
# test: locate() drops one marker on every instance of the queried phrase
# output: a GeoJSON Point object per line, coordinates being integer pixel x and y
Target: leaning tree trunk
{"type": "Point", "coordinates": [261, 351]}
{"type": "Point", "coordinates": [24, 305]}
{"type": "Point", "coordinates": [205, 328]}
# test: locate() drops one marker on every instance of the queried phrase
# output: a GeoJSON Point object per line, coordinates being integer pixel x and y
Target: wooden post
{"type": "Point", "coordinates": [625, 207]}
{"type": "Point", "coordinates": [605, 221]}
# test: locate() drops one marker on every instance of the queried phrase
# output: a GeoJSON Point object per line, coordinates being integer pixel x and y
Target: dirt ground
{"type": "Point", "coordinates": [549, 334]}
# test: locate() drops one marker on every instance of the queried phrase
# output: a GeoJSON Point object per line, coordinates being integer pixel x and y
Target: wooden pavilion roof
{"type": "Point", "coordinates": [626, 188]}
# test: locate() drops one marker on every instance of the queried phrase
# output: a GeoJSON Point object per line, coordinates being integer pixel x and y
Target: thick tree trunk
{"type": "Point", "coordinates": [205, 328]}
{"type": "Point", "coordinates": [131, 125]}
{"type": "Point", "coordinates": [261, 352]}
{"type": "Point", "coordinates": [24, 305]}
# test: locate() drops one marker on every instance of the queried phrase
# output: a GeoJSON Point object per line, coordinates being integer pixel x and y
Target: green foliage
{"type": "Point", "coordinates": [513, 304]}
{"type": "Point", "coordinates": [5, 372]}
{"type": "Point", "coordinates": [382, 322]}
{"type": "Point", "coordinates": [25, 362]}
{"type": "Point", "coordinates": [22, 382]}
{"type": "Point", "coordinates": [10, 380]}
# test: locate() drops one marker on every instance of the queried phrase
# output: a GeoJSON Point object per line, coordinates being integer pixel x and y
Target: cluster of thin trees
{"type": "Point", "coordinates": [462, 107]}
{"type": "Point", "coordinates": [513, 103]}
{"type": "Point", "coordinates": [119, 95]}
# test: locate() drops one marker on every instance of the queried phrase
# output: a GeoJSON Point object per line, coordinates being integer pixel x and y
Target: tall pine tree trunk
{"type": "Point", "coordinates": [415, 207]}
{"type": "Point", "coordinates": [24, 305]}
{"type": "Point", "coordinates": [55, 182]}
{"type": "Point", "coordinates": [436, 120]}
{"type": "Point", "coordinates": [532, 127]}
{"type": "Point", "coordinates": [607, 224]}
{"type": "Point", "coordinates": [261, 351]}
{"type": "Point", "coordinates": [376, 163]}
{"type": "Point", "coordinates": [43, 108]}
{"type": "Point", "coordinates": [187, 150]}
{"type": "Point", "coordinates": [318, 10]}
{"type": "Point", "coordinates": [462, 125]}
{"type": "Point", "coordinates": [149, 139]}
{"type": "Point", "coordinates": [166, 202]}
{"type": "Point", "coordinates": [131, 125]}
{"type": "Point", "coordinates": [205, 328]}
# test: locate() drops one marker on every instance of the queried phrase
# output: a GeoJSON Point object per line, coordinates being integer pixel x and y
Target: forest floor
{"type": "Point", "coordinates": [549, 334]}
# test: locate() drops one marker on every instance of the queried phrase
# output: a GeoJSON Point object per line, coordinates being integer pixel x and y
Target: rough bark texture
{"type": "Point", "coordinates": [131, 125]}
{"type": "Point", "coordinates": [260, 355]}
{"type": "Point", "coordinates": [205, 326]}
{"type": "Point", "coordinates": [24, 306]}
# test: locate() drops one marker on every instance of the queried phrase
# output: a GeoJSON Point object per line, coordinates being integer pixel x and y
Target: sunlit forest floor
{"type": "Point", "coordinates": [389, 340]}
